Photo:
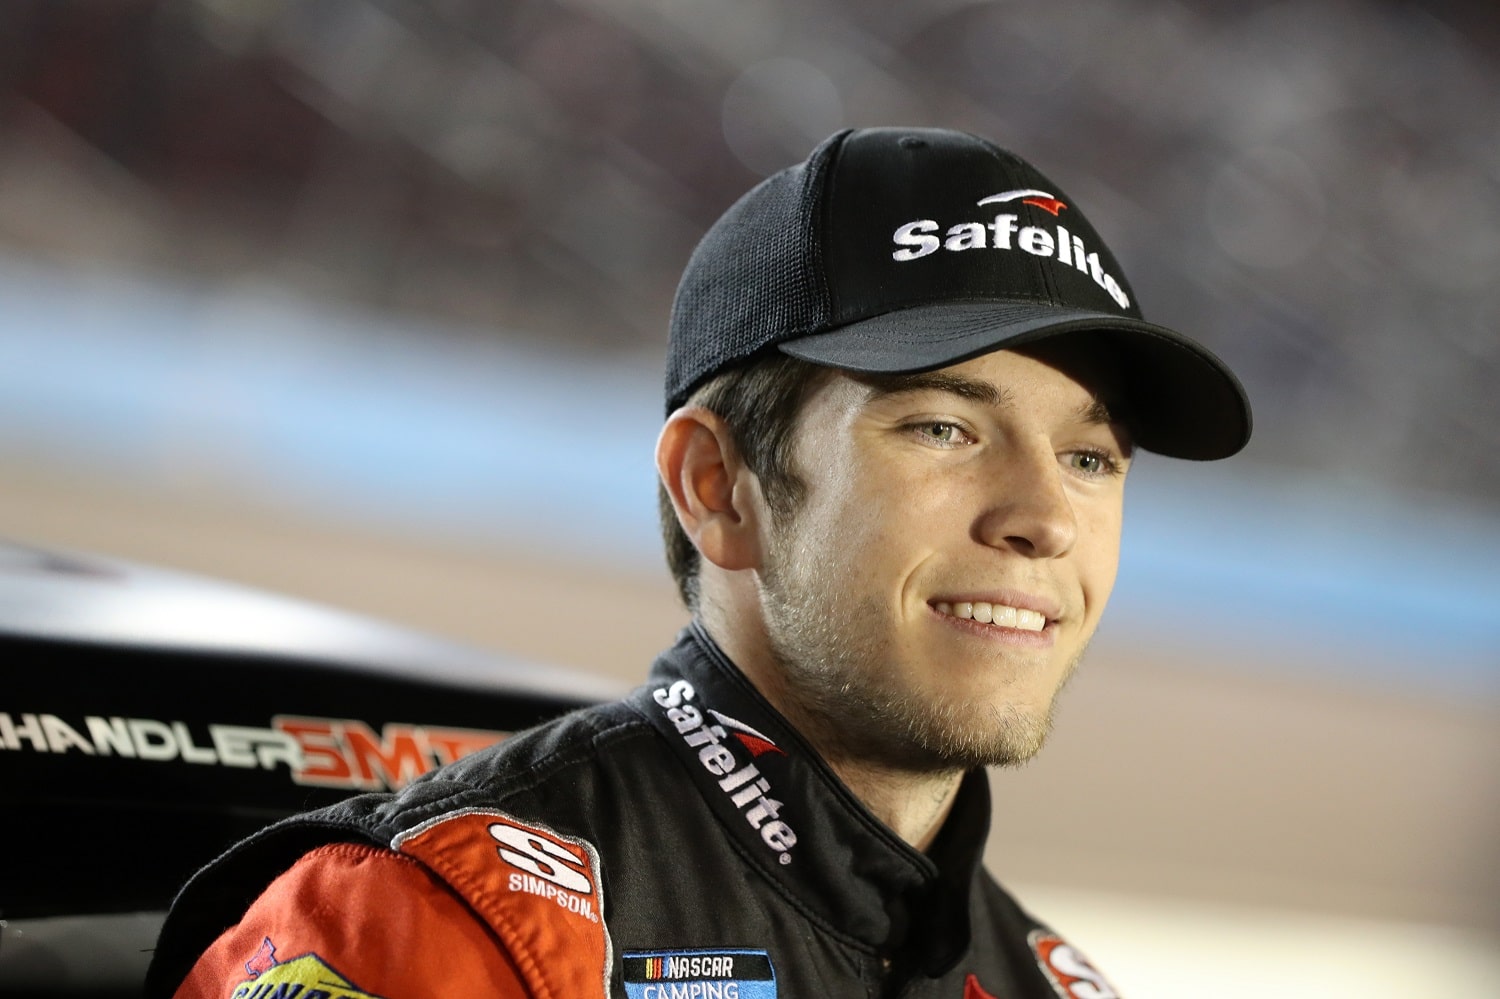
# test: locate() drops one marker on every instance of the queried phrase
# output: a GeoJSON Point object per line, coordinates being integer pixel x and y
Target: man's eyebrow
{"type": "Point", "coordinates": [937, 381]}
{"type": "Point", "coordinates": [1097, 411]}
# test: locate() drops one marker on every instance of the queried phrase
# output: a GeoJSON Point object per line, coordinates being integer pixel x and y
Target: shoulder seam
{"type": "Point", "coordinates": [499, 788]}
{"type": "Point", "coordinates": [570, 756]}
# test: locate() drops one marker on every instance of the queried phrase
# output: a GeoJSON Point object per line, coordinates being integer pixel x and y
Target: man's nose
{"type": "Point", "coordinates": [1029, 510]}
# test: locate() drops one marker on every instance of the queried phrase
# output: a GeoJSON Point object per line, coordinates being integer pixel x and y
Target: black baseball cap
{"type": "Point", "coordinates": [907, 249]}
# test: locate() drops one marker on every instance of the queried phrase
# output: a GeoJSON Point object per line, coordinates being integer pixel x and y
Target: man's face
{"type": "Point", "coordinates": [954, 549]}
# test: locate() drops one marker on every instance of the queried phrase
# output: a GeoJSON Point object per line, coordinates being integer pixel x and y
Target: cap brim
{"type": "Point", "coordinates": [1183, 401]}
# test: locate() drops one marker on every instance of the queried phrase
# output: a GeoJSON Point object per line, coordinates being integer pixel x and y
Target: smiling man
{"type": "Point", "coordinates": [905, 382]}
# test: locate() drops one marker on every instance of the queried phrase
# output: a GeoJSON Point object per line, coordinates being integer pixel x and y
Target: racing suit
{"type": "Point", "coordinates": [682, 843]}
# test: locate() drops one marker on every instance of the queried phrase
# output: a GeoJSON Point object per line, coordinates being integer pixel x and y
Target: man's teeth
{"type": "Point", "coordinates": [1006, 617]}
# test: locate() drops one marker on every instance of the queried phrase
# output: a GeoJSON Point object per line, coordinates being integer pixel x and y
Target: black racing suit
{"type": "Point", "coordinates": [725, 857]}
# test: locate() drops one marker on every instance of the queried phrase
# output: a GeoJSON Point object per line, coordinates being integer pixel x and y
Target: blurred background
{"type": "Point", "coordinates": [365, 302]}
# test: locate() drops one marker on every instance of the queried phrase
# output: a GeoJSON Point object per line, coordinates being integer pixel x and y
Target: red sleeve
{"type": "Point", "coordinates": [350, 921]}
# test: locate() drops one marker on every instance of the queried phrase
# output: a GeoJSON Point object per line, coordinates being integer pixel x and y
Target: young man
{"type": "Point", "coordinates": [904, 384]}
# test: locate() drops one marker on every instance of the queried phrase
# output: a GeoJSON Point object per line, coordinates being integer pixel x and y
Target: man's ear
{"type": "Point", "coordinates": [717, 496]}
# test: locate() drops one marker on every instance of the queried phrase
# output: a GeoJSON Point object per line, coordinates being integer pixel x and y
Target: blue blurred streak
{"type": "Point", "coordinates": [1327, 574]}
{"type": "Point", "coordinates": [353, 414]}
{"type": "Point", "coordinates": [349, 415]}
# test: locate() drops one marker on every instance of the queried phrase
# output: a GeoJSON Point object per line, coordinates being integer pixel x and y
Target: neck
{"type": "Point", "coordinates": [913, 801]}
{"type": "Point", "coordinates": [913, 805]}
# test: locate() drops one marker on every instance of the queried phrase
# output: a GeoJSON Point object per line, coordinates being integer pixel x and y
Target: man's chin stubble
{"type": "Point", "coordinates": [850, 719]}
{"type": "Point", "coordinates": [923, 738]}
{"type": "Point", "coordinates": [836, 699]}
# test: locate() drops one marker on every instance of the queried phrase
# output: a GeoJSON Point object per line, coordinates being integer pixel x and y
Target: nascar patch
{"type": "Point", "coordinates": [699, 974]}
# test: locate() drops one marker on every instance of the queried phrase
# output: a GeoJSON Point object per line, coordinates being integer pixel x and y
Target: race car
{"type": "Point", "coordinates": [148, 719]}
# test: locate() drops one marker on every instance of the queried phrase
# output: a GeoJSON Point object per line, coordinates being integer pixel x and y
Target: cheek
{"type": "Point", "coordinates": [838, 500]}
{"type": "Point", "coordinates": [869, 531]}
{"type": "Point", "coordinates": [903, 512]}
{"type": "Point", "coordinates": [1099, 558]}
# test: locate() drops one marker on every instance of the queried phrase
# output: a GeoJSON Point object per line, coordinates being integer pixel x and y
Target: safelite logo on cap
{"type": "Point", "coordinates": [1030, 196]}
{"type": "Point", "coordinates": [918, 238]}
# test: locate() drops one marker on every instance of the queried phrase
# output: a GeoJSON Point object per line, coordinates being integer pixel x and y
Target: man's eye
{"type": "Point", "coordinates": [1092, 463]}
{"type": "Point", "coordinates": [943, 433]}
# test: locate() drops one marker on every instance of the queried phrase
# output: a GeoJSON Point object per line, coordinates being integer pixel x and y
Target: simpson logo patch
{"type": "Point", "coordinates": [1070, 973]}
{"type": "Point", "coordinates": [699, 974]}
{"type": "Point", "coordinates": [307, 976]}
{"type": "Point", "coordinates": [556, 868]}
{"type": "Point", "coordinates": [539, 891]}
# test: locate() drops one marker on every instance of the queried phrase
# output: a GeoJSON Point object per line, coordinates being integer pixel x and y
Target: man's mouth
{"type": "Point", "coordinates": [997, 614]}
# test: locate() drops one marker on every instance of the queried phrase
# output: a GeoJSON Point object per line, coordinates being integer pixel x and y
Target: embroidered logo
{"type": "Point", "coordinates": [1070, 973]}
{"type": "Point", "coordinates": [757, 743]}
{"type": "Point", "coordinates": [699, 974]}
{"type": "Point", "coordinates": [547, 865]}
{"type": "Point", "coordinates": [264, 959]}
{"type": "Point", "coordinates": [742, 782]}
{"type": "Point", "coordinates": [973, 990]}
{"type": "Point", "coordinates": [306, 977]}
{"type": "Point", "coordinates": [539, 891]}
{"type": "Point", "coordinates": [1033, 197]}
{"type": "Point", "coordinates": [919, 238]}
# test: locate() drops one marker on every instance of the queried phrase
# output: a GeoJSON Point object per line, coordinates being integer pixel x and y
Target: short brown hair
{"type": "Point", "coordinates": [760, 402]}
